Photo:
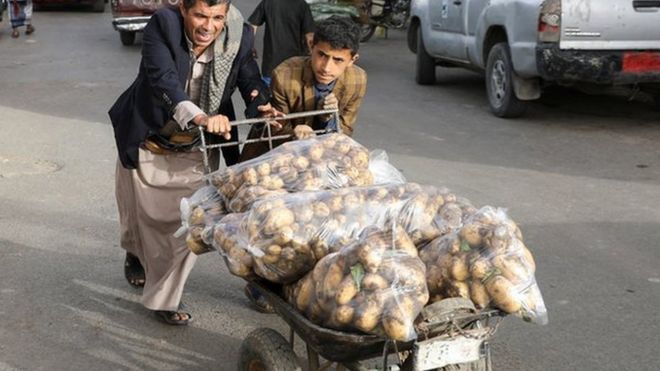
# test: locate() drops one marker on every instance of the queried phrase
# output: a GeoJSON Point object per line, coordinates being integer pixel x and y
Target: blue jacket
{"type": "Point", "coordinates": [145, 107]}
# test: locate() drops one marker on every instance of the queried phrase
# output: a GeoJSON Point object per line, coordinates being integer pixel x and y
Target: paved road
{"type": "Point", "coordinates": [581, 174]}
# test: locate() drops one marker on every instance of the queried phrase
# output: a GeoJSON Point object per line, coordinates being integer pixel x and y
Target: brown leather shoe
{"type": "Point", "coordinates": [29, 29]}
{"type": "Point", "coordinates": [14, 33]}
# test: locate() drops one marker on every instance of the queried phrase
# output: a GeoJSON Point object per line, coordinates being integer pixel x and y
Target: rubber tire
{"type": "Point", "coordinates": [366, 31]}
{"type": "Point", "coordinates": [425, 65]}
{"type": "Point", "coordinates": [656, 101]}
{"type": "Point", "coordinates": [127, 37]}
{"type": "Point", "coordinates": [509, 106]}
{"type": "Point", "coordinates": [267, 348]}
{"type": "Point", "coordinates": [98, 6]}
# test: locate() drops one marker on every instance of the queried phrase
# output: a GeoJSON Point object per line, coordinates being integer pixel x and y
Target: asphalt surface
{"type": "Point", "coordinates": [579, 173]}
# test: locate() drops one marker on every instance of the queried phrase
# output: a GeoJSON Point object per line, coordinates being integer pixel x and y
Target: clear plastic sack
{"type": "Point", "coordinates": [287, 235]}
{"type": "Point", "coordinates": [229, 238]}
{"type": "Point", "coordinates": [375, 285]}
{"type": "Point", "coordinates": [486, 261]}
{"type": "Point", "coordinates": [199, 211]}
{"type": "Point", "coordinates": [382, 170]}
{"type": "Point", "coordinates": [322, 162]}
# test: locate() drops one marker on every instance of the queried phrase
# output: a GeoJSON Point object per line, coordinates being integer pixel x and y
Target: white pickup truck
{"type": "Point", "coordinates": [523, 45]}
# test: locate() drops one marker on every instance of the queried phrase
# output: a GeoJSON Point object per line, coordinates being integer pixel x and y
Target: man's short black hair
{"type": "Point", "coordinates": [187, 4]}
{"type": "Point", "coordinates": [339, 32]}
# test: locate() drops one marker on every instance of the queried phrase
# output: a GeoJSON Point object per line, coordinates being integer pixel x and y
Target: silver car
{"type": "Point", "coordinates": [524, 45]}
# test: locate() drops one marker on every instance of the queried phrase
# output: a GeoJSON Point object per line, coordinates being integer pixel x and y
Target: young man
{"type": "Point", "coordinates": [328, 79]}
{"type": "Point", "coordinates": [193, 59]}
{"type": "Point", "coordinates": [289, 31]}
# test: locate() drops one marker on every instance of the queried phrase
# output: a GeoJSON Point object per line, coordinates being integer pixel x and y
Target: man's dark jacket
{"type": "Point", "coordinates": [145, 107]}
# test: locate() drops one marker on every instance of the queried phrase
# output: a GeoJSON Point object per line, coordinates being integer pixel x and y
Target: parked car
{"type": "Point", "coordinates": [131, 16]}
{"type": "Point", "coordinates": [97, 6]}
{"type": "Point", "coordinates": [524, 45]}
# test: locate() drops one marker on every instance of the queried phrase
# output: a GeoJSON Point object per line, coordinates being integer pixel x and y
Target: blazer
{"type": "Point", "coordinates": [145, 107]}
{"type": "Point", "coordinates": [293, 91]}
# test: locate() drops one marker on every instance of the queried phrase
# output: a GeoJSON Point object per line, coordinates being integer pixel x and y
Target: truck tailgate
{"type": "Point", "coordinates": [610, 24]}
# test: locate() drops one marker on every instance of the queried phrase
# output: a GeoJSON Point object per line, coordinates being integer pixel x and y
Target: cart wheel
{"type": "Point", "coordinates": [264, 349]}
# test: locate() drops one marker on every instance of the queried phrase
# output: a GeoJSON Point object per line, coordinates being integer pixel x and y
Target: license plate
{"type": "Point", "coordinates": [641, 62]}
{"type": "Point", "coordinates": [436, 353]}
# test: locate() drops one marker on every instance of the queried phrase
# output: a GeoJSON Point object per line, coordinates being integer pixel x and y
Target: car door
{"type": "Point", "coordinates": [447, 19]}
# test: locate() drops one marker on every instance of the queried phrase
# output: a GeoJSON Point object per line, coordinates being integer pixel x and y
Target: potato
{"type": "Point", "coordinates": [374, 282]}
{"type": "Point", "coordinates": [273, 250]}
{"type": "Point", "coordinates": [250, 176]}
{"type": "Point", "coordinates": [288, 253]}
{"type": "Point", "coordinates": [371, 257]}
{"type": "Point", "coordinates": [367, 316]}
{"type": "Point", "coordinates": [197, 246]}
{"type": "Point", "coordinates": [321, 210]}
{"type": "Point", "coordinates": [512, 269]}
{"type": "Point", "coordinates": [480, 268]}
{"type": "Point", "coordinates": [270, 259]}
{"type": "Point", "coordinates": [343, 314]}
{"type": "Point", "coordinates": [503, 294]}
{"type": "Point", "coordinates": [471, 234]}
{"type": "Point", "coordinates": [459, 269]}
{"type": "Point", "coordinates": [343, 147]}
{"type": "Point", "coordinates": [346, 291]}
{"type": "Point", "coordinates": [283, 236]}
{"type": "Point", "coordinates": [263, 169]}
{"type": "Point", "coordinates": [397, 328]}
{"type": "Point", "coordinates": [478, 294]}
{"type": "Point", "coordinates": [276, 219]}
{"type": "Point", "coordinates": [316, 152]}
{"type": "Point", "coordinates": [301, 163]}
{"type": "Point", "coordinates": [332, 280]}
{"type": "Point", "coordinates": [303, 296]}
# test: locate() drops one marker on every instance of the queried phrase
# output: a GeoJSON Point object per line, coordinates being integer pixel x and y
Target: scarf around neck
{"type": "Point", "coordinates": [225, 49]}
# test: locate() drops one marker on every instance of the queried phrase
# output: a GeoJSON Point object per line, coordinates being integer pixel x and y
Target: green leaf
{"type": "Point", "coordinates": [465, 246]}
{"type": "Point", "coordinates": [357, 272]}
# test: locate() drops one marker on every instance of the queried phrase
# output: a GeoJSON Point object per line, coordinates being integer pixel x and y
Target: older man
{"type": "Point", "coordinates": [193, 59]}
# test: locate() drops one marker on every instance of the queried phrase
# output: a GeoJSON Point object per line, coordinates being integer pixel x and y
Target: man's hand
{"type": "Point", "coordinates": [218, 124]}
{"type": "Point", "coordinates": [330, 102]}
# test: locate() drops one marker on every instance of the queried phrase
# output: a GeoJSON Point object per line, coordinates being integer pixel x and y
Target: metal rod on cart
{"type": "Point", "coordinates": [204, 148]}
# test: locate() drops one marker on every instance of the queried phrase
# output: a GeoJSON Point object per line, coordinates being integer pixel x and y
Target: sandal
{"type": "Point", "coordinates": [259, 301]}
{"type": "Point", "coordinates": [14, 33]}
{"type": "Point", "coordinates": [175, 318]}
{"type": "Point", "coordinates": [29, 29]}
{"type": "Point", "coordinates": [133, 270]}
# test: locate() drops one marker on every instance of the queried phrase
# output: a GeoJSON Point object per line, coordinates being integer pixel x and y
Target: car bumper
{"type": "Point", "coordinates": [596, 66]}
{"type": "Point", "coordinates": [132, 24]}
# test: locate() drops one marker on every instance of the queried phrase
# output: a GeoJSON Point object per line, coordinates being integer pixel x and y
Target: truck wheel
{"type": "Point", "coordinates": [499, 83]}
{"type": "Point", "coordinates": [127, 37]}
{"type": "Point", "coordinates": [264, 349]}
{"type": "Point", "coordinates": [98, 6]}
{"type": "Point", "coordinates": [425, 66]}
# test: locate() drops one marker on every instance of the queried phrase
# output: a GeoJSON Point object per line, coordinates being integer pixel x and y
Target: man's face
{"type": "Point", "coordinates": [203, 23]}
{"type": "Point", "coordinates": [328, 63]}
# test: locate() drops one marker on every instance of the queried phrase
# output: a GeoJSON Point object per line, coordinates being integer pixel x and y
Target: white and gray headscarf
{"type": "Point", "coordinates": [225, 50]}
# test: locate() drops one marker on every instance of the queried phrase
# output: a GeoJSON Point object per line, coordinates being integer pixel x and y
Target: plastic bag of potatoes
{"type": "Point", "coordinates": [287, 235]}
{"type": "Point", "coordinates": [198, 212]}
{"type": "Point", "coordinates": [229, 239]}
{"type": "Point", "coordinates": [325, 162]}
{"type": "Point", "coordinates": [375, 285]}
{"type": "Point", "coordinates": [487, 262]}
